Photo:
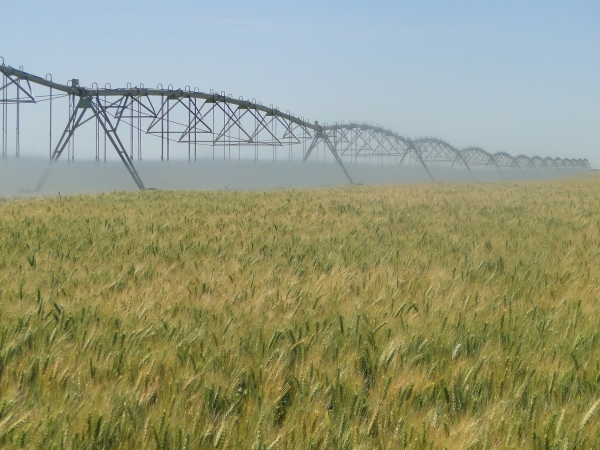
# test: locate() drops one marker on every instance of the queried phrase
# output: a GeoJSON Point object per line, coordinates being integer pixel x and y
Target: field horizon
{"type": "Point", "coordinates": [19, 178]}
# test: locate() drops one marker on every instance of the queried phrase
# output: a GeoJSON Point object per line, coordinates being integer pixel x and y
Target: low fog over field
{"type": "Point", "coordinates": [20, 177]}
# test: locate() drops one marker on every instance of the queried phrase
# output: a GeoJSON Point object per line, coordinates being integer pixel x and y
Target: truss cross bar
{"type": "Point", "coordinates": [232, 121]}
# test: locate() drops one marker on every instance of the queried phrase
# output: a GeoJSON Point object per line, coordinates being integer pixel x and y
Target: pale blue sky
{"type": "Point", "coordinates": [515, 76]}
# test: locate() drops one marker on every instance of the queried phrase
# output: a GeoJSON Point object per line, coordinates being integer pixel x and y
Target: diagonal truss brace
{"type": "Point", "coordinates": [11, 80]}
{"type": "Point", "coordinates": [99, 112]}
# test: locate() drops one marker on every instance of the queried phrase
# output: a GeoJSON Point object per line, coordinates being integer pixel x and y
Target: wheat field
{"type": "Point", "coordinates": [423, 316]}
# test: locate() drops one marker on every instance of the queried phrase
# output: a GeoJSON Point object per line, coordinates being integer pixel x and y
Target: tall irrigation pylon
{"type": "Point", "coordinates": [122, 116]}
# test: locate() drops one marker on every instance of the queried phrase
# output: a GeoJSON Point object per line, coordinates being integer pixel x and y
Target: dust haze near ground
{"type": "Point", "coordinates": [20, 177]}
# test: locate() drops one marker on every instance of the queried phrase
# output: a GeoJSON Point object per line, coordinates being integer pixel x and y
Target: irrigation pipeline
{"type": "Point", "coordinates": [191, 117]}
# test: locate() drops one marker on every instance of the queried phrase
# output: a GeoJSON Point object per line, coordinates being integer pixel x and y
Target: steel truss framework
{"type": "Point", "coordinates": [475, 156]}
{"type": "Point", "coordinates": [194, 118]}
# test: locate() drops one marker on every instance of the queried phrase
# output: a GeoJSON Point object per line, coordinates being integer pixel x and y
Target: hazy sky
{"type": "Point", "coordinates": [515, 76]}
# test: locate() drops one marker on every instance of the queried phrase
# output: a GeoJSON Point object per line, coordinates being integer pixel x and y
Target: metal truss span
{"type": "Point", "coordinates": [191, 118]}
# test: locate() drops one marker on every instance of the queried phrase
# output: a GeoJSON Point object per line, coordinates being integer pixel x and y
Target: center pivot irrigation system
{"type": "Point", "coordinates": [193, 118]}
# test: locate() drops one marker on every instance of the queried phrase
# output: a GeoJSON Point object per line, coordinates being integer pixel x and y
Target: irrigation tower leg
{"type": "Point", "coordinates": [111, 132]}
{"type": "Point", "coordinates": [416, 151]}
{"type": "Point", "coordinates": [311, 147]}
{"type": "Point", "coordinates": [76, 120]}
{"type": "Point", "coordinates": [322, 137]}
